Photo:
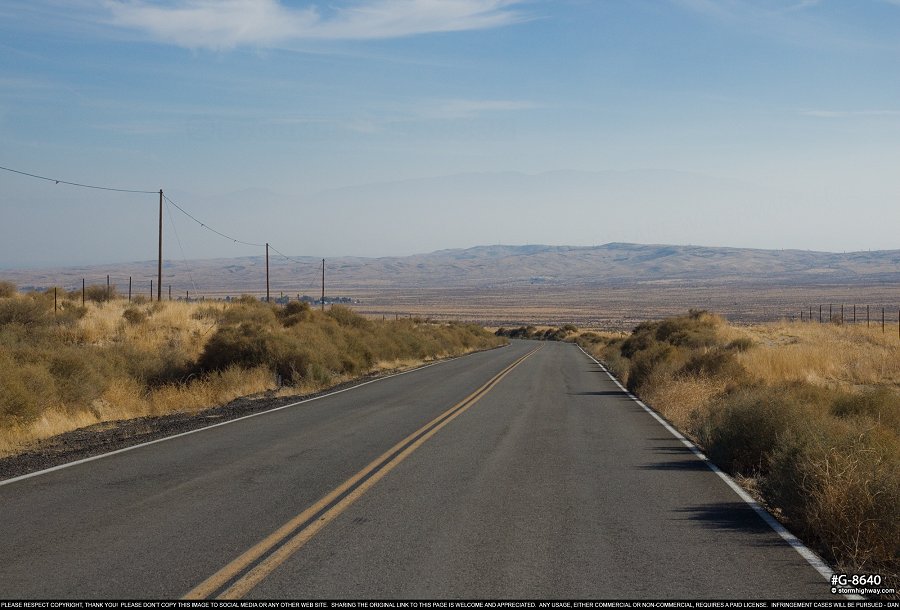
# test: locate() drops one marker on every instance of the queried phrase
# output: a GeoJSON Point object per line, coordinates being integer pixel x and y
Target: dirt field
{"type": "Point", "coordinates": [622, 307]}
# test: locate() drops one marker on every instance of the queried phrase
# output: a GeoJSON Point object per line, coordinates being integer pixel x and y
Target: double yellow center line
{"type": "Point", "coordinates": [246, 571]}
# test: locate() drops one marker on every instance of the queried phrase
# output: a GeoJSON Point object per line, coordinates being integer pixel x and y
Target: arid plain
{"type": "Point", "coordinates": [611, 287]}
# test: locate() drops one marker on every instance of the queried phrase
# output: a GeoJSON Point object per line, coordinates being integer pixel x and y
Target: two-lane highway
{"type": "Point", "coordinates": [508, 473]}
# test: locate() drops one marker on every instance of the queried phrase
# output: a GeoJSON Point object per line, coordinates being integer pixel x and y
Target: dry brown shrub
{"type": "Point", "coordinates": [7, 289]}
{"type": "Point", "coordinates": [114, 360]}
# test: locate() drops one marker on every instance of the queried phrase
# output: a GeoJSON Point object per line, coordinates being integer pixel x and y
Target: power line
{"type": "Point", "coordinates": [86, 186]}
{"type": "Point", "coordinates": [206, 226]}
{"type": "Point", "coordinates": [171, 219]}
{"type": "Point", "coordinates": [294, 260]}
{"type": "Point", "coordinates": [275, 250]}
{"type": "Point", "coordinates": [180, 247]}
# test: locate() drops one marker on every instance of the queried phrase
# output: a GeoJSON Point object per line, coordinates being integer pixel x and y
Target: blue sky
{"type": "Point", "coordinates": [253, 114]}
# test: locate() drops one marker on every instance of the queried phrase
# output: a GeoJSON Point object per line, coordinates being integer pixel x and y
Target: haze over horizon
{"type": "Point", "coordinates": [394, 127]}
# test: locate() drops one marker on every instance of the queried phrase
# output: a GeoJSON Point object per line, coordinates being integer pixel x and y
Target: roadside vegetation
{"type": "Point", "coordinates": [538, 334]}
{"type": "Point", "coordinates": [111, 360]}
{"type": "Point", "coordinates": [806, 416]}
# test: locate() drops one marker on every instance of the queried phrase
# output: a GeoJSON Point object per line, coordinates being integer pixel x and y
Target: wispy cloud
{"type": "Point", "coordinates": [801, 5]}
{"type": "Point", "coordinates": [746, 10]}
{"type": "Point", "coordinates": [711, 8]}
{"type": "Point", "coordinates": [844, 114]}
{"type": "Point", "coordinates": [382, 120]}
{"type": "Point", "coordinates": [225, 24]}
{"type": "Point", "coordinates": [804, 23]}
{"type": "Point", "coordinates": [432, 111]}
{"type": "Point", "coordinates": [134, 128]}
{"type": "Point", "coordinates": [469, 109]}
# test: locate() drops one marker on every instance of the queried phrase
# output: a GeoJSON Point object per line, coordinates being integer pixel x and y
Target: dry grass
{"type": "Point", "coordinates": [685, 398]}
{"type": "Point", "coordinates": [825, 354]}
{"type": "Point", "coordinates": [112, 360]}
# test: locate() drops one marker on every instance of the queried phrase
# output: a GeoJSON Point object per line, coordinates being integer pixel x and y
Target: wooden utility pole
{"type": "Point", "coordinates": [323, 284]}
{"type": "Point", "coordinates": [267, 272]}
{"type": "Point", "coordinates": [159, 265]}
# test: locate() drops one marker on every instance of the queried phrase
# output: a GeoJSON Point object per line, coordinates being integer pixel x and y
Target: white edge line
{"type": "Point", "coordinates": [814, 560]}
{"type": "Point", "coordinates": [224, 423]}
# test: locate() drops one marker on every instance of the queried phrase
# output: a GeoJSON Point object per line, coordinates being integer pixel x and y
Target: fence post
{"type": "Point", "coordinates": [842, 314]}
{"type": "Point", "coordinates": [54, 299]}
{"type": "Point", "coordinates": [151, 290]}
{"type": "Point", "coordinates": [882, 320]}
{"type": "Point", "coordinates": [820, 314]}
{"type": "Point", "coordinates": [170, 292]}
{"type": "Point", "coordinates": [107, 288]}
{"type": "Point", "coordinates": [854, 313]}
{"type": "Point", "coordinates": [129, 289]}
{"type": "Point", "coordinates": [867, 316]}
{"type": "Point", "coordinates": [82, 292]}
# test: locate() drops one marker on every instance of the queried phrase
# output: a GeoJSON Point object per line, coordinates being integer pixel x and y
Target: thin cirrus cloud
{"type": "Point", "coordinates": [844, 114]}
{"type": "Point", "coordinates": [744, 9]}
{"type": "Point", "coordinates": [471, 108]}
{"type": "Point", "coordinates": [226, 24]}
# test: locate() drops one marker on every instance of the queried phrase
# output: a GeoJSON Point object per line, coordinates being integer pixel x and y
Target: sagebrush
{"type": "Point", "coordinates": [110, 359]}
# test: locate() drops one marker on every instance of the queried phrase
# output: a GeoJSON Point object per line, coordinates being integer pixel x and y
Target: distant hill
{"type": "Point", "coordinates": [497, 266]}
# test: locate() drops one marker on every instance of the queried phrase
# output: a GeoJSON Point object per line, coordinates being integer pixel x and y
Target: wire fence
{"type": "Point", "coordinates": [130, 289]}
{"type": "Point", "coordinates": [872, 317]}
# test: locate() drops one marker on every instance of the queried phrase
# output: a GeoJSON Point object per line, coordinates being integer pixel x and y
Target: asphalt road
{"type": "Point", "coordinates": [547, 481]}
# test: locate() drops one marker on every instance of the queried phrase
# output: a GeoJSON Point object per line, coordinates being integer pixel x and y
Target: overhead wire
{"type": "Point", "coordinates": [78, 184]}
{"type": "Point", "coordinates": [299, 262]}
{"type": "Point", "coordinates": [180, 247]}
{"type": "Point", "coordinates": [229, 237]}
{"type": "Point", "coordinates": [169, 202]}
{"type": "Point", "coordinates": [209, 228]}
{"type": "Point", "coordinates": [294, 260]}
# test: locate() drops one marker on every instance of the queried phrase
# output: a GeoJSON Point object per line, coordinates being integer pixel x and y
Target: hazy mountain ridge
{"type": "Point", "coordinates": [497, 265]}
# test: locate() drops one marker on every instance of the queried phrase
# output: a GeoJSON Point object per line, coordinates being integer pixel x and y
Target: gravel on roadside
{"type": "Point", "coordinates": [111, 436]}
